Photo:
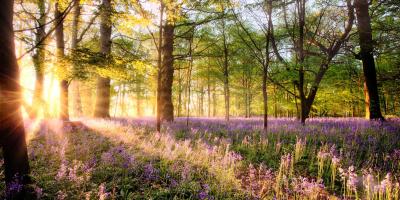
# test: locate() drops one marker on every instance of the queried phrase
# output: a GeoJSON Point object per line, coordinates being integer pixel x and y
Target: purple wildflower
{"type": "Point", "coordinates": [150, 173]}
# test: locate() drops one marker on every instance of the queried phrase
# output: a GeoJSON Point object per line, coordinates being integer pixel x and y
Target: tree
{"type": "Point", "coordinates": [373, 110]}
{"type": "Point", "coordinates": [39, 59]}
{"type": "Point", "coordinates": [261, 52]}
{"type": "Point", "coordinates": [64, 111]}
{"type": "Point", "coordinates": [167, 66]}
{"type": "Point", "coordinates": [225, 58]}
{"type": "Point", "coordinates": [76, 98]}
{"type": "Point", "coordinates": [309, 46]}
{"type": "Point", "coordinates": [102, 107]}
{"type": "Point", "coordinates": [12, 133]}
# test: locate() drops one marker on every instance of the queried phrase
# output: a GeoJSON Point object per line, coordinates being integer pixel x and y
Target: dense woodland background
{"type": "Point", "coordinates": [215, 56]}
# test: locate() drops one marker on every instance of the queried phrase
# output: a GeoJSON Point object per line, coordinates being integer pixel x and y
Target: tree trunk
{"type": "Point", "coordinates": [64, 112]}
{"type": "Point", "coordinates": [275, 103]}
{"type": "Point", "coordinates": [167, 73]}
{"type": "Point", "coordinates": [265, 99]}
{"type": "Point", "coordinates": [38, 61]}
{"type": "Point", "coordinates": [367, 57]}
{"type": "Point", "coordinates": [303, 98]}
{"type": "Point", "coordinates": [201, 102]}
{"type": "Point", "coordinates": [214, 100]}
{"type": "Point", "coordinates": [244, 94]}
{"type": "Point", "coordinates": [139, 111]}
{"type": "Point", "coordinates": [208, 92]}
{"type": "Point", "coordinates": [76, 94]}
{"type": "Point", "coordinates": [159, 66]}
{"type": "Point", "coordinates": [102, 107]}
{"type": "Point", "coordinates": [226, 78]}
{"type": "Point", "coordinates": [12, 133]}
{"type": "Point", "coordinates": [189, 78]}
{"type": "Point", "coordinates": [366, 102]}
{"type": "Point", "coordinates": [179, 111]}
{"type": "Point", "coordinates": [122, 102]}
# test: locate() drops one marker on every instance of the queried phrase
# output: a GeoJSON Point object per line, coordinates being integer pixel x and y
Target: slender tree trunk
{"type": "Point", "coordinates": [122, 102]}
{"type": "Point", "coordinates": [275, 103]}
{"type": "Point", "coordinates": [250, 96]}
{"type": "Point", "coordinates": [12, 133]}
{"type": "Point", "coordinates": [159, 66]}
{"type": "Point", "coordinates": [385, 102]}
{"type": "Point", "coordinates": [64, 112]}
{"type": "Point", "coordinates": [208, 92]}
{"type": "Point", "coordinates": [38, 61]}
{"type": "Point", "coordinates": [296, 103]}
{"type": "Point", "coordinates": [244, 92]}
{"type": "Point", "coordinates": [265, 98]}
{"type": "Point", "coordinates": [367, 57]}
{"type": "Point", "coordinates": [301, 57]}
{"type": "Point", "coordinates": [117, 100]}
{"type": "Point", "coordinates": [189, 78]}
{"type": "Point", "coordinates": [226, 76]}
{"type": "Point", "coordinates": [179, 111]}
{"type": "Point", "coordinates": [214, 101]}
{"type": "Point", "coordinates": [102, 107]}
{"type": "Point", "coordinates": [201, 102]}
{"type": "Point", "coordinates": [76, 94]}
{"type": "Point", "coordinates": [139, 111]}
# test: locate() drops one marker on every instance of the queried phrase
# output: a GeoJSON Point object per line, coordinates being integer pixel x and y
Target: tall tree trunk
{"type": "Point", "coordinates": [226, 74]}
{"type": "Point", "coordinates": [39, 60]}
{"type": "Point", "coordinates": [201, 103]}
{"type": "Point", "coordinates": [208, 92]}
{"type": "Point", "coordinates": [167, 73]}
{"type": "Point", "coordinates": [246, 98]}
{"type": "Point", "coordinates": [275, 103]}
{"type": "Point", "coordinates": [159, 66]}
{"type": "Point", "coordinates": [296, 103]}
{"type": "Point", "coordinates": [12, 133]}
{"type": "Point", "coordinates": [214, 100]}
{"type": "Point", "coordinates": [265, 66]}
{"type": "Point", "coordinates": [122, 102]}
{"type": "Point", "coordinates": [102, 107]}
{"type": "Point", "coordinates": [265, 99]}
{"type": "Point", "coordinates": [189, 78]}
{"type": "Point", "coordinates": [367, 57]}
{"type": "Point", "coordinates": [64, 112]}
{"type": "Point", "coordinates": [76, 94]}
{"type": "Point", "coordinates": [139, 111]}
{"type": "Point", "coordinates": [179, 111]}
{"type": "Point", "coordinates": [301, 57]}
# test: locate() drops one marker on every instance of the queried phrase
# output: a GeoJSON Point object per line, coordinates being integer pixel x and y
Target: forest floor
{"type": "Point", "coordinates": [124, 158]}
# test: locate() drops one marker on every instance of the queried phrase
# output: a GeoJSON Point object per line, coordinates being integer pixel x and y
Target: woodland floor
{"type": "Point", "coordinates": [123, 158]}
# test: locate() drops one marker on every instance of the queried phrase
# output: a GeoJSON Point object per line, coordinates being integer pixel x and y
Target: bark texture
{"type": "Point", "coordinates": [76, 94]}
{"type": "Point", "coordinates": [12, 133]}
{"type": "Point", "coordinates": [167, 74]}
{"type": "Point", "coordinates": [38, 61]}
{"type": "Point", "coordinates": [367, 57]}
{"type": "Point", "coordinates": [64, 112]}
{"type": "Point", "coordinates": [102, 107]}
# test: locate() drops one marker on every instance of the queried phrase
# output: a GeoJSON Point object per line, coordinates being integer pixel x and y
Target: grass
{"type": "Point", "coordinates": [211, 159]}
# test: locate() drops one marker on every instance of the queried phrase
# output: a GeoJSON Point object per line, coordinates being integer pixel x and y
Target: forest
{"type": "Point", "coordinates": [200, 99]}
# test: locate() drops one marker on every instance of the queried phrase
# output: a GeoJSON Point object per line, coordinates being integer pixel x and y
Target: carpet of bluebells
{"type": "Point", "coordinates": [328, 158]}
